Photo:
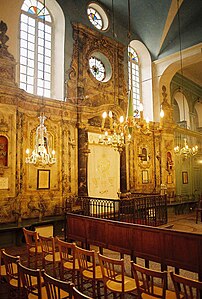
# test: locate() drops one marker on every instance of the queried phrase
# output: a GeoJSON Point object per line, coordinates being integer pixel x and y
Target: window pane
{"type": "Point", "coordinates": [23, 78]}
{"type": "Point", "coordinates": [30, 71]}
{"type": "Point", "coordinates": [30, 63]}
{"type": "Point", "coordinates": [30, 88]}
{"type": "Point", "coordinates": [23, 52]}
{"type": "Point", "coordinates": [30, 80]}
{"type": "Point", "coordinates": [23, 35]}
{"type": "Point", "coordinates": [33, 29]}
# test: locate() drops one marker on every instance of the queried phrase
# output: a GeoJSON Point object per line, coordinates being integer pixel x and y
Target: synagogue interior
{"type": "Point", "coordinates": [101, 132]}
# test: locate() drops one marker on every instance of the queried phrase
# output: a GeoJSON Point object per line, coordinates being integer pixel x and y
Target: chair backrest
{"type": "Point", "coordinates": [30, 280]}
{"type": "Point", "coordinates": [47, 245]}
{"type": "Point", "coordinates": [31, 238]}
{"type": "Point", "coordinates": [110, 268]}
{"type": "Point", "coordinates": [57, 289]}
{"type": "Point", "coordinates": [86, 260]}
{"type": "Point", "coordinates": [78, 295]}
{"type": "Point", "coordinates": [11, 262]}
{"type": "Point", "coordinates": [148, 281]}
{"type": "Point", "coordinates": [186, 288]}
{"type": "Point", "coordinates": [67, 251]}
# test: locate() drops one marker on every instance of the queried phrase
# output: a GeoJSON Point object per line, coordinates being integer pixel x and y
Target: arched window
{"type": "Point", "coordinates": [35, 48]}
{"type": "Point", "coordinates": [134, 79]}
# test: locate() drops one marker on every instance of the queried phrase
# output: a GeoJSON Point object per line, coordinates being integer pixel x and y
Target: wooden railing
{"type": "Point", "coordinates": [142, 209]}
{"type": "Point", "coordinates": [167, 247]}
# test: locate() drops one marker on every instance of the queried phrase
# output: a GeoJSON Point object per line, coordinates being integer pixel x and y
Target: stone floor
{"type": "Point", "coordinates": [184, 222]}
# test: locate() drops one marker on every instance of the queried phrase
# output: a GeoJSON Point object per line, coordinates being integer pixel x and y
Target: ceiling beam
{"type": "Point", "coordinates": [171, 15]}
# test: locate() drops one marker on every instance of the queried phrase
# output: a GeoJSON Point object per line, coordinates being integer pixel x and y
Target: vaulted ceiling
{"type": "Point", "coordinates": [164, 26]}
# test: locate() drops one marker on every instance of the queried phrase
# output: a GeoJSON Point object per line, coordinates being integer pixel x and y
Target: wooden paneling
{"type": "Point", "coordinates": [172, 248]}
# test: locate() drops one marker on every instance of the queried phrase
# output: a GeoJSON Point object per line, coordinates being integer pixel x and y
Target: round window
{"type": "Point", "coordinates": [97, 68]}
{"type": "Point", "coordinates": [97, 16]}
{"type": "Point", "coordinates": [100, 67]}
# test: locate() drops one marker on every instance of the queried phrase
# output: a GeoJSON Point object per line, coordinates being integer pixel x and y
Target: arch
{"type": "Point", "coordinates": [165, 69]}
{"type": "Point", "coordinates": [57, 51]}
{"type": "Point", "coordinates": [198, 109]}
{"type": "Point", "coordinates": [145, 64]}
{"type": "Point", "coordinates": [183, 108]}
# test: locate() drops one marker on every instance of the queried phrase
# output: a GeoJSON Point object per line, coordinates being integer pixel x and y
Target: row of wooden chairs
{"type": "Point", "coordinates": [81, 264]}
{"type": "Point", "coordinates": [30, 283]}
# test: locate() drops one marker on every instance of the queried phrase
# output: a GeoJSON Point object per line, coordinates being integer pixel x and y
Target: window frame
{"type": "Point", "coordinates": [136, 63]}
{"type": "Point", "coordinates": [35, 86]}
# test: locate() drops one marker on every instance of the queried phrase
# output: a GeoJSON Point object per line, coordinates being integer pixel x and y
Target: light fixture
{"type": "Point", "coordinates": [186, 151]}
{"type": "Point", "coordinates": [42, 154]}
{"type": "Point", "coordinates": [116, 134]}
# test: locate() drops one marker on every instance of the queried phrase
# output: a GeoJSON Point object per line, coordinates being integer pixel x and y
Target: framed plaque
{"type": "Point", "coordinates": [43, 179]}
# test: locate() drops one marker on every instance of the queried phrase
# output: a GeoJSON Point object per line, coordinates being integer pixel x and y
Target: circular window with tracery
{"type": "Point", "coordinates": [97, 16]}
{"type": "Point", "coordinates": [97, 68]}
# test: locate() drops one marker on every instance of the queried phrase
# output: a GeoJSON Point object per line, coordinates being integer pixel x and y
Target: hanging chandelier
{"type": "Point", "coordinates": [42, 154]}
{"type": "Point", "coordinates": [117, 135]}
{"type": "Point", "coordinates": [186, 151]}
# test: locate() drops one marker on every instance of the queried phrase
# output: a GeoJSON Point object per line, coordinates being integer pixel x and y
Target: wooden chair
{"type": "Point", "coordinates": [49, 253]}
{"type": "Point", "coordinates": [114, 277]}
{"type": "Point", "coordinates": [33, 246]}
{"type": "Point", "coordinates": [2, 268]}
{"type": "Point", "coordinates": [199, 210]}
{"type": "Point", "coordinates": [69, 266]}
{"type": "Point", "coordinates": [78, 295]}
{"type": "Point", "coordinates": [89, 271]}
{"type": "Point", "coordinates": [186, 288]}
{"type": "Point", "coordinates": [12, 276]}
{"type": "Point", "coordinates": [151, 283]}
{"type": "Point", "coordinates": [57, 289]}
{"type": "Point", "coordinates": [31, 282]}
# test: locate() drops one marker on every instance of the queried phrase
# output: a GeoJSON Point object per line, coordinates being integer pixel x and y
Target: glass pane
{"type": "Point", "coordinates": [31, 38]}
{"type": "Point", "coordinates": [23, 60]}
{"type": "Point", "coordinates": [23, 69]}
{"type": "Point", "coordinates": [47, 68]}
{"type": "Point", "coordinates": [31, 22]}
{"type": "Point", "coordinates": [31, 55]}
{"type": "Point", "coordinates": [23, 43]}
{"type": "Point", "coordinates": [40, 82]}
{"type": "Point", "coordinates": [40, 66]}
{"type": "Point", "coordinates": [24, 18]}
{"type": "Point", "coordinates": [30, 72]}
{"type": "Point", "coordinates": [23, 26]}
{"type": "Point", "coordinates": [23, 35]}
{"type": "Point", "coordinates": [30, 88]}
{"type": "Point", "coordinates": [40, 91]}
{"type": "Point", "coordinates": [31, 46]}
{"type": "Point", "coordinates": [47, 76]}
{"type": "Point", "coordinates": [23, 78]}
{"type": "Point", "coordinates": [31, 30]}
{"type": "Point", "coordinates": [23, 52]}
{"type": "Point", "coordinates": [47, 85]}
{"type": "Point", "coordinates": [22, 85]}
{"type": "Point", "coordinates": [31, 63]}
{"type": "Point", "coordinates": [40, 58]}
{"type": "Point", "coordinates": [47, 93]}
{"type": "Point", "coordinates": [30, 80]}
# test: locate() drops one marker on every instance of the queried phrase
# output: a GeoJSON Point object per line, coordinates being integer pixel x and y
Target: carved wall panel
{"type": "Point", "coordinates": [82, 87]}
